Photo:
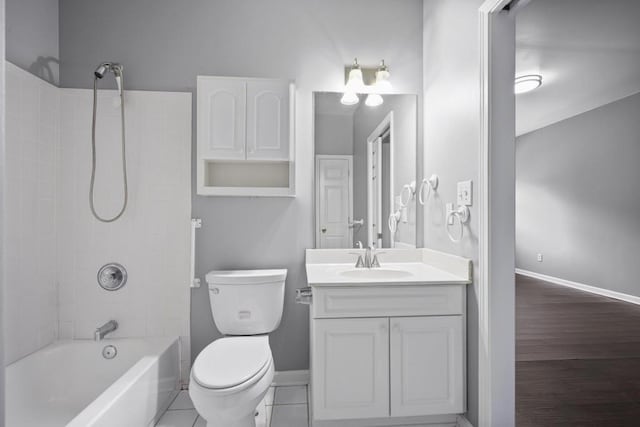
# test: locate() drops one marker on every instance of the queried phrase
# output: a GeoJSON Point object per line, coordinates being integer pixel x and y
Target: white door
{"type": "Point", "coordinates": [427, 366]}
{"type": "Point", "coordinates": [350, 368]}
{"type": "Point", "coordinates": [268, 120]}
{"type": "Point", "coordinates": [221, 118]}
{"type": "Point", "coordinates": [374, 193]}
{"type": "Point", "coordinates": [334, 190]}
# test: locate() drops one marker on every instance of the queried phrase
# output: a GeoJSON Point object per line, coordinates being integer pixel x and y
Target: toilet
{"type": "Point", "coordinates": [231, 375]}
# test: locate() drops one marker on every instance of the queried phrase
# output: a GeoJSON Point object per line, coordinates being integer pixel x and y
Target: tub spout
{"type": "Point", "coordinates": [103, 330]}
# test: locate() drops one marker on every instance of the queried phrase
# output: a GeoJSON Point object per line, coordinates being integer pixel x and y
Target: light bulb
{"type": "Point", "coordinates": [349, 98]}
{"type": "Point", "coordinates": [527, 83]}
{"type": "Point", "coordinates": [355, 83]}
{"type": "Point", "coordinates": [373, 100]}
{"type": "Point", "coordinates": [382, 84]}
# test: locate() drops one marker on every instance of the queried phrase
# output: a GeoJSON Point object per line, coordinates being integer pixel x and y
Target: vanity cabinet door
{"type": "Point", "coordinates": [350, 368]}
{"type": "Point", "coordinates": [268, 120]}
{"type": "Point", "coordinates": [427, 365]}
{"type": "Point", "coordinates": [221, 118]}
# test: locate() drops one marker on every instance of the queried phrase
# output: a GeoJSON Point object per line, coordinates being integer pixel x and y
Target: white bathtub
{"type": "Point", "coordinates": [70, 383]}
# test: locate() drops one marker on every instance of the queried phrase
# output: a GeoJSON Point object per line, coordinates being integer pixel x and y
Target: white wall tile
{"type": "Point", "coordinates": [31, 141]}
{"type": "Point", "coordinates": [54, 244]}
{"type": "Point", "coordinates": [151, 239]}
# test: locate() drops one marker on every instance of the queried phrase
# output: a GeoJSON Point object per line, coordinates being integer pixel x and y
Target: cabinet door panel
{"type": "Point", "coordinates": [221, 118]}
{"type": "Point", "coordinates": [268, 120]}
{"type": "Point", "coordinates": [350, 368]}
{"type": "Point", "coordinates": [427, 366]}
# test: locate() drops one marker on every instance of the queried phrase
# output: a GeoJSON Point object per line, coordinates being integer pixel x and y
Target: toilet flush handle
{"type": "Point", "coordinates": [304, 295]}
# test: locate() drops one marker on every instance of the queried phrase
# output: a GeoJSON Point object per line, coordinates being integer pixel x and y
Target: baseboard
{"type": "Point", "coordinates": [463, 421]}
{"type": "Point", "coordinates": [285, 378]}
{"type": "Point", "coordinates": [581, 286]}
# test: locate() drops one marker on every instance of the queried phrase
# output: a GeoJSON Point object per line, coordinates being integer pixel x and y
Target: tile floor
{"type": "Point", "coordinates": [283, 406]}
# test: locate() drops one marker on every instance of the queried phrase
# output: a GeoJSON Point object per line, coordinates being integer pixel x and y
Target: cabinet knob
{"type": "Point", "coordinates": [323, 229]}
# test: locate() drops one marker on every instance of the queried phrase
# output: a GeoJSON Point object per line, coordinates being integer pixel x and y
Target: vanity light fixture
{"type": "Point", "coordinates": [359, 79]}
{"type": "Point", "coordinates": [355, 83]}
{"type": "Point", "coordinates": [382, 85]}
{"type": "Point", "coordinates": [373, 100]}
{"type": "Point", "coordinates": [349, 98]}
{"type": "Point", "coordinates": [527, 83]}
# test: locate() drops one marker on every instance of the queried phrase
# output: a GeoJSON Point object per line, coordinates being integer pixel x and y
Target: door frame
{"type": "Point", "coordinates": [496, 241]}
{"type": "Point", "coordinates": [387, 122]}
{"type": "Point", "coordinates": [319, 157]}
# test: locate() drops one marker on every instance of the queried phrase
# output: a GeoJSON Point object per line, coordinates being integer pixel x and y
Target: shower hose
{"type": "Point", "coordinates": [93, 156]}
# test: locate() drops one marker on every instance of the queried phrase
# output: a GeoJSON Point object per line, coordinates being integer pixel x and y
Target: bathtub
{"type": "Point", "coordinates": [71, 383]}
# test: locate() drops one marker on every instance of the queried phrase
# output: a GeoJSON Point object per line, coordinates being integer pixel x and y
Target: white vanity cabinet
{"type": "Point", "coordinates": [389, 353]}
{"type": "Point", "coordinates": [245, 136]}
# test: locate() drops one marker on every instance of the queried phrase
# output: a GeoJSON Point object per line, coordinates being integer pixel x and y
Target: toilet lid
{"type": "Point", "coordinates": [228, 362]}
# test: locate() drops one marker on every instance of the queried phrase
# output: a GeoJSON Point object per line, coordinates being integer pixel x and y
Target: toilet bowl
{"type": "Point", "coordinates": [231, 376]}
{"type": "Point", "coordinates": [229, 379]}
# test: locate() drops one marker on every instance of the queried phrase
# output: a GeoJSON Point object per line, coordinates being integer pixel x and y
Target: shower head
{"type": "Point", "coordinates": [115, 68]}
{"type": "Point", "coordinates": [102, 68]}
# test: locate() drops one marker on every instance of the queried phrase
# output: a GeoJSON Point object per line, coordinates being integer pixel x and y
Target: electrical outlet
{"type": "Point", "coordinates": [539, 257]}
{"type": "Point", "coordinates": [465, 193]}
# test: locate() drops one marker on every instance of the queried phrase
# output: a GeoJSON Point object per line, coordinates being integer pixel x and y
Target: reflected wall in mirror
{"type": "Point", "coordinates": [365, 172]}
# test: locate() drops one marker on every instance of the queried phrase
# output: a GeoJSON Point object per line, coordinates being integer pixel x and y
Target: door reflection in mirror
{"type": "Point", "coordinates": [365, 172]}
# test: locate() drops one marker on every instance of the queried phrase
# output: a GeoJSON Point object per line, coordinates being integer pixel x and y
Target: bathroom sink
{"type": "Point", "coordinates": [375, 273]}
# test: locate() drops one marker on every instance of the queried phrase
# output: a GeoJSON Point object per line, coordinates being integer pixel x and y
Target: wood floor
{"type": "Point", "coordinates": [577, 358]}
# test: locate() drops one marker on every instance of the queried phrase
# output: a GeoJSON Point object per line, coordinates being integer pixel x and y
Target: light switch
{"type": "Point", "coordinates": [465, 193]}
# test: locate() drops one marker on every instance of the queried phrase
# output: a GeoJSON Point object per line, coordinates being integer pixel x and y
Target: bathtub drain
{"type": "Point", "coordinates": [109, 352]}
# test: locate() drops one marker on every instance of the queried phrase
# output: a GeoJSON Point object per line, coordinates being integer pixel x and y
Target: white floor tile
{"type": "Point", "coordinates": [182, 401]}
{"type": "Point", "coordinates": [289, 416]}
{"type": "Point", "coordinates": [268, 398]}
{"type": "Point", "coordinates": [182, 418]}
{"type": "Point", "coordinates": [200, 422]}
{"type": "Point", "coordinates": [291, 395]}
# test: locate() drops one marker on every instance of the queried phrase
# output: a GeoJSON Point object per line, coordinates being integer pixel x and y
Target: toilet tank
{"type": "Point", "coordinates": [246, 302]}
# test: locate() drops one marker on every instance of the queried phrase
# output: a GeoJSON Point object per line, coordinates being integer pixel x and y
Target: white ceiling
{"type": "Point", "coordinates": [588, 52]}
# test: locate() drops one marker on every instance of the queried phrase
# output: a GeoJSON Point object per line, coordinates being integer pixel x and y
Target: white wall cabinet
{"type": "Point", "coordinates": [268, 120]}
{"type": "Point", "coordinates": [370, 363]}
{"type": "Point", "coordinates": [245, 136]}
{"type": "Point", "coordinates": [221, 118]}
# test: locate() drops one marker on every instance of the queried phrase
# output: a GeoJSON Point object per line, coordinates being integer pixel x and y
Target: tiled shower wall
{"type": "Point", "coordinates": [32, 111]}
{"type": "Point", "coordinates": [54, 245]}
{"type": "Point", "coordinates": [151, 240]}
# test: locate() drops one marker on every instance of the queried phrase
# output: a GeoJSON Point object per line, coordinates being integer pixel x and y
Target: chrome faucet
{"type": "Point", "coordinates": [105, 329]}
{"type": "Point", "coordinates": [370, 259]}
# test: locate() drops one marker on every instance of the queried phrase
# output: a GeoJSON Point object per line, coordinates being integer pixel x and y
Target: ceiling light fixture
{"type": "Point", "coordinates": [527, 83]}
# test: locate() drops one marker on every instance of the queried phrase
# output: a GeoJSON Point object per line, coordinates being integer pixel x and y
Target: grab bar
{"type": "Point", "coordinates": [195, 224]}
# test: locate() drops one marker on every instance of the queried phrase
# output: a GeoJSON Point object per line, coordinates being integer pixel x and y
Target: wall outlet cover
{"type": "Point", "coordinates": [539, 257]}
{"type": "Point", "coordinates": [465, 193]}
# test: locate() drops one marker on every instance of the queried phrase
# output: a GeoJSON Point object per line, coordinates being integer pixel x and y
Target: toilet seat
{"type": "Point", "coordinates": [232, 363]}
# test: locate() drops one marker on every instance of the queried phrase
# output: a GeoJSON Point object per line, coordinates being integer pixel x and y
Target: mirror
{"type": "Point", "coordinates": [365, 172]}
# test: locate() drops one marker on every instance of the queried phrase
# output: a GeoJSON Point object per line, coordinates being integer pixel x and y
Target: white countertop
{"type": "Point", "coordinates": [336, 267]}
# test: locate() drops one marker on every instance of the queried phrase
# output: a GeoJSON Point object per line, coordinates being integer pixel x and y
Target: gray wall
{"type": "Point", "coordinates": [451, 129]}
{"type": "Point", "coordinates": [164, 44]}
{"type": "Point", "coordinates": [2, 192]}
{"type": "Point", "coordinates": [334, 134]}
{"type": "Point", "coordinates": [578, 198]}
{"type": "Point", "coordinates": [32, 37]}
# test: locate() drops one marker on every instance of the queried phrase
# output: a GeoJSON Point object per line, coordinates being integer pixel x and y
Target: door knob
{"type": "Point", "coordinates": [324, 229]}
